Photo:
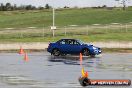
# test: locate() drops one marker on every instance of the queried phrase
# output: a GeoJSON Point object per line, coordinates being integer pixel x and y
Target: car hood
{"type": "Point", "coordinates": [88, 44]}
{"type": "Point", "coordinates": [92, 46]}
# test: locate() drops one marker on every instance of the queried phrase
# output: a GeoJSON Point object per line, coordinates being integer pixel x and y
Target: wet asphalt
{"type": "Point", "coordinates": [45, 71]}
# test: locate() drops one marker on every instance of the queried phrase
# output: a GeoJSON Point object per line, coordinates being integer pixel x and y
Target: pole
{"type": "Point", "coordinates": [43, 30]}
{"type": "Point", "coordinates": [53, 22]}
{"type": "Point", "coordinates": [53, 32]}
{"type": "Point", "coordinates": [53, 17]}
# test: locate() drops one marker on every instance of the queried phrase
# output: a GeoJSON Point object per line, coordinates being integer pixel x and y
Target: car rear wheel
{"type": "Point", "coordinates": [85, 52]}
{"type": "Point", "coordinates": [56, 52]}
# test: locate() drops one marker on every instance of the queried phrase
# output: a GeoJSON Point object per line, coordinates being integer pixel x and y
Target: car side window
{"type": "Point", "coordinates": [76, 43]}
{"type": "Point", "coordinates": [63, 42]}
{"type": "Point", "coordinates": [71, 42]}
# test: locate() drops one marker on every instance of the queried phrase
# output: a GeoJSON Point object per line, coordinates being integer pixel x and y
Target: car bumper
{"type": "Point", "coordinates": [96, 52]}
{"type": "Point", "coordinates": [49, 50]}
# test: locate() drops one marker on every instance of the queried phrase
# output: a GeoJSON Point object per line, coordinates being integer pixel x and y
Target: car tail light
{"type": "Point", "coordinates": [49, 45]}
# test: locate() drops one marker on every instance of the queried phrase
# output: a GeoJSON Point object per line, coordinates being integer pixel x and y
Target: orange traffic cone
{"type": "Point", "coordinates": [26, 57]}
{"type": "Point", "coordinates": [86, 74]}
{"type": "Point", "coordinates": [80, 58]}
{"type": "Point", "coordinates": [21, 50]}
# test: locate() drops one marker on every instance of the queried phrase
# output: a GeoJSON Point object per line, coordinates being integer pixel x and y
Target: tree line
{"type": "Point", "coordinates": [10, 7]}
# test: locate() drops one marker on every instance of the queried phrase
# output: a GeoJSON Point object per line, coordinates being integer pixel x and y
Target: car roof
{"type": "Point", "coordinates": [69, 39]}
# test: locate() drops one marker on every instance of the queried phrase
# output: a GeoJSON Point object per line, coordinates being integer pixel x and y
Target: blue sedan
{"type": "Point", "coordinates": [72, 46]}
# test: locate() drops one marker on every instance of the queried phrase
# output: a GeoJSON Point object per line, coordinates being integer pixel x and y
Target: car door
{"type": "Point", "coordinates": [69, 46]}
{"type": "Point", "coordinates": [74, 47]}
{"type": "Point", "coordinates": [64, 46]}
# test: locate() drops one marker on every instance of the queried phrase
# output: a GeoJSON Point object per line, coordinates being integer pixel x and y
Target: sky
{"type": "Point", "coordinates": [70, 3]}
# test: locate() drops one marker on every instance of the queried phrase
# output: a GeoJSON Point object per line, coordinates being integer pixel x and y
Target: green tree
{"type": "Point", "coordinates": [8, 7]}
{"type": "Point", "coordinates": [47, 6]}
{"type": "Point", "coordinates": [123, 2]}
{"type": "Point", "coordinates": [28, 7]}
{"type": "Point", "coordinates": [2, 7]}
{"type": "Point", "coordinates": [14, 7]}
{"type": "Point", "coordinates": [40, 8]}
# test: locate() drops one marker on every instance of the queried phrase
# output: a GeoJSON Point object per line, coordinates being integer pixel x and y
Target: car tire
{"type": "Point", "coordinates": [92, 56]}
{"type": "Point", "coordinates": [85, 52]}
{"type": "Point", "coordinates": [56, 52]}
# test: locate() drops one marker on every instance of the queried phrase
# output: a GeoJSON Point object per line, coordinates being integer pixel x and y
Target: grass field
{"type": "Point", "coordinates": [20, 20]}
{"type": "Point", "coordinates": [64, 17]}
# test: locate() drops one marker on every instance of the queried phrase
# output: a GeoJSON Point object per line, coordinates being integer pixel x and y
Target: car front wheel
{"type": "Point", "coordinates": [92, 56]}
{"type": "Point", "coordinates": [85, 52]}
{"type": "Point", "coordinates": [56, 52]}
{"type": "Point", "coordinates": [62, 54]}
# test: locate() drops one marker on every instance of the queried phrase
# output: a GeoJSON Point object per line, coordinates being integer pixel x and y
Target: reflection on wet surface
{"type": "Point", "coordinates": [45, 71]}
{"type": "Point", "coordinates": [15, 80]}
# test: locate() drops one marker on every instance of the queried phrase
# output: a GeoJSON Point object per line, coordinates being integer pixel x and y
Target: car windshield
{"type": "Point", "coordinates": [81, 42]}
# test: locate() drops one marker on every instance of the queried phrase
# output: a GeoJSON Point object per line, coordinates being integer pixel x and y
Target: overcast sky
{"type": "Point", "coordinates": [71, 3]}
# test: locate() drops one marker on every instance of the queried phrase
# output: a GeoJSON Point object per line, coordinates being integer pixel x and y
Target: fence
{"type": "Point", "coordinates": [66, 31]}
